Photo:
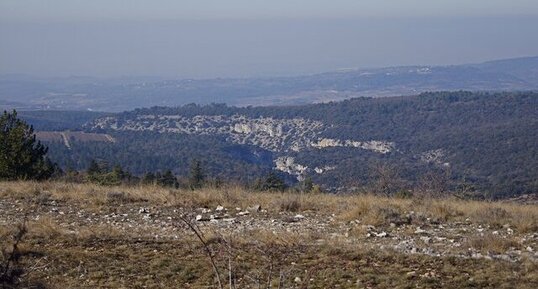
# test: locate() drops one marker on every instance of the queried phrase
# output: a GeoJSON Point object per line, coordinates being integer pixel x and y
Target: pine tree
{"type": "Point", "coordinates": [271, 183]}
{"type": "Point", "coordinates": [21, 155]}
{"type": "Point", "coordinates": [196, 177]}
{"type": "Point", "coordinates": [93, 168]}
{"type": "Point", "coordinates": [119, 173]}
{"type": "Point", "coordinates": [169, 180]}
{"type": "Point", "coordinates": [149, 178]}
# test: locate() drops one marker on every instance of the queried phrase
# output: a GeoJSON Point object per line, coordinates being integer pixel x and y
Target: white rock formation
{"type": "Point", "coordinates": [434, 156]}
{"type": "Point", "coordinates": [382, 147]}
{"type": "Point", "coordinates": [288, 165]}
{"type": "Point", "coordinates": [277, 135]}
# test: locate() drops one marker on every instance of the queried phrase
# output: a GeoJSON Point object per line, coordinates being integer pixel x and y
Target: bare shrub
{"type": "Point", "coordinates": [386, 179]}
{"type": "Point", "coordinates": [10, 270]}
{"type": "Point", "coordinates": [290, 203]}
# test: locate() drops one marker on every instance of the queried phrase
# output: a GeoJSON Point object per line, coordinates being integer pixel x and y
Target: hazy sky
{"type": "Point", "coordinates": [229, 38]}
{"type": "Point", "coordinates": [218, 9]}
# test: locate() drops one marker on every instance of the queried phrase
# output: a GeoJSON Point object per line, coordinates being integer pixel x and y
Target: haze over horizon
{"type": "Point", "coordinates": [239, 38]}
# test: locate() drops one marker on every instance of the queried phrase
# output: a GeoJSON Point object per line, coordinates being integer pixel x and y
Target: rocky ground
{"type": "Point", "coordinates": [127, 242]}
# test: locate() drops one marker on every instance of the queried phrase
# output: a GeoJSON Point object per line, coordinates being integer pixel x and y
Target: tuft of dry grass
{"type": "Point", "coordinates": [490, 243]}
{"type": "Point", "coordinates": [45, 227]}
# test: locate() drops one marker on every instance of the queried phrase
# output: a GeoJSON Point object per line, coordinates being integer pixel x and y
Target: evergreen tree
{"type": "Point", "coordinates": [93, 168]}
{"type": "Point", "coordinates": [21, 155]}
{"type": "Point", "coordinates": [271, 183]}
{"type": "Point", "coordinates": [306, 185]}
{"type": "Point", "coordinates": [118, 173]}
{"type": "Point", "coordinates": [149, 178]}
{"type": "Point", "coordinates": [169, 180]}
{"type": "Point", "coordinates": [196, 177]}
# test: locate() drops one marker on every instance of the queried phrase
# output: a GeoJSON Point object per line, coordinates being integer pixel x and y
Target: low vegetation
{"type": "Point", "coordinates": [143, 236]}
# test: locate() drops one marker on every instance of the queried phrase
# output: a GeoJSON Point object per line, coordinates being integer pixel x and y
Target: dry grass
{"type": "Point", "coordinates": [101, 255]}
{"type": "Point", "coordinates": [492, 244]}
{"type": "Point", "coordinates": [369, 209]}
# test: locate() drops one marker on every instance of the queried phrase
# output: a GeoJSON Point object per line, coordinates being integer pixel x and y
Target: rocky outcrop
{"type": "Point", "coordinates": [434, 157]}
{"type": "Point", "coordinates": [277, 135]}
{"type": "Point", "coordinates": [382, 147]}
{"type": "Point", "coordinates": [288, 165]}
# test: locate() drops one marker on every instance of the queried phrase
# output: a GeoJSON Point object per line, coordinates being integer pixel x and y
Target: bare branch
{"type": "Point", "coordinates": [209, 254]}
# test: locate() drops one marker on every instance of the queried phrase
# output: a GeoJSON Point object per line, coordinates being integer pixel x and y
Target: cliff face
{"type": "Point", "coordinates": [281, 136]}
{"type": "Point", "coordinates": [276, 135]}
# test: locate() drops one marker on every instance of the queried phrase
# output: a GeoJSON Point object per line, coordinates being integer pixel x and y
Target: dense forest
{"type": "Point", "coordinates": [483, 143]}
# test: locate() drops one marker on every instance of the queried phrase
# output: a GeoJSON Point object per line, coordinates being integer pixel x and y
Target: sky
{"type": "Point", "coordinates": [244, 38]}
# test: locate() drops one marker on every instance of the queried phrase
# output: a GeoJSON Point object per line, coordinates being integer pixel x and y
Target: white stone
{"type": "Point", "coordinates": [382, 234]}
{"type": "Point", "coordinates": [420, 231]}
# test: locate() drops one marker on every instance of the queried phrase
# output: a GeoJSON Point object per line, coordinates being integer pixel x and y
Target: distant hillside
{"type": "Point", "coordinates": [70, 137]}
{"type": "Point", "coordinates": [476, 142]}
{"type": "Point", "coordinates": [58, 120]}
{"type": "Point", "coordinates": [82, 93]}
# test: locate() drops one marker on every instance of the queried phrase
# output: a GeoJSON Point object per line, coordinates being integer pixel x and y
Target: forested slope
{"type": "Point", "coordinates": [483, 142]}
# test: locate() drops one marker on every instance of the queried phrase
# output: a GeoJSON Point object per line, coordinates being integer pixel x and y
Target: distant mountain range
{"type": "Point", "coordinates": [86, 93]}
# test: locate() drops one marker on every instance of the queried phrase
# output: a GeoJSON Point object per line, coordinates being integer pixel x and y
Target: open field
{"type": "Point", "coordinates": [87, 236]}
{"type": "Point", "coordinates": [68, 136]}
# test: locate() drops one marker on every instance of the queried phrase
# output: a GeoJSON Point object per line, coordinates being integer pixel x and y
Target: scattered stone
{"type": "Point", "coordinates": [255, 208]}
{"type": "Point", "coordinates": [299, 217]}
{"type": "Point", "coordinates": [381, 235]}
{"type": "Point", "coordinates": [429, 275]}
{"type": "Point", "coordinates": [504, 257]}
{"type": "Point", "coordinates": [219, 209]}
{"type": "Point", "coordinates": [420, 231]}
{"type": "Point", "coordinates": [426, 240]}
{"type": "Point", "coordinates": [476, 255]}
{"type": "Point", "coordinates": [297, 280]}
{"type": "Point", "coordinates": [243, 213]}
{"type": "Point", "coordinates": [369, 227]}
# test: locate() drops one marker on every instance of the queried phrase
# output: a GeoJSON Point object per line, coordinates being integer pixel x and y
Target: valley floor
{"type": "Point", "coordinates": [87, 236]}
